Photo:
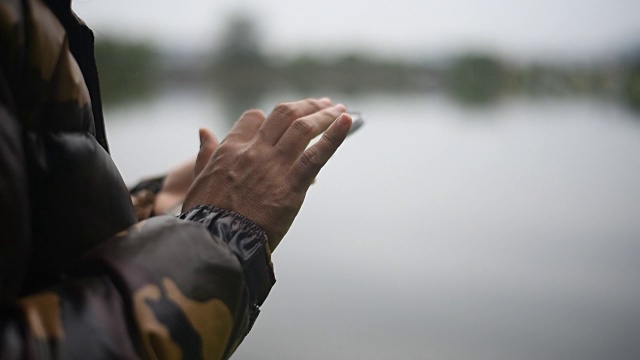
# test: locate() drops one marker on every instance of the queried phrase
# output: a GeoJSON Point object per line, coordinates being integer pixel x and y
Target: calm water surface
{"type": "Point", "coordinates": [441, 232]}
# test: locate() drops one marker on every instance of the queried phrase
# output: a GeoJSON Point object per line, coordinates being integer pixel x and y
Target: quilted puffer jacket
{"type": "Point", "coordinates": [80, 277]}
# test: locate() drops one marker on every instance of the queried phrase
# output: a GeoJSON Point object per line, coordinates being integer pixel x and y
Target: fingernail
{"type": "Point", "coordinates": [341, 107]}
{"type": "Point", "coordinates": [325, 100]}
{"type": "Point", "coordinates": [344, 120]}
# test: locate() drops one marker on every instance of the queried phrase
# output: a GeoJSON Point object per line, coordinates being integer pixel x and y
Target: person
{"type": "Point", "coordinates": [80, 275]}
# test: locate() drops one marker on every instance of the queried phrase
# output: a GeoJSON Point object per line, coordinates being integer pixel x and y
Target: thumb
{"type": "Point", "coordinates": [208, 144]}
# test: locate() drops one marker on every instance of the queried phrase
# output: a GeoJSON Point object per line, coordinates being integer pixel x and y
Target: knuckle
{"type": "Point", "coordinates": [310, 159]}
{"type": "Point", "coordinates": [330, 140]}
{"type": "Point", "coordinates": [285, 110]}
{"type": "Point", "coordinates": [303, 127]}
{"type": "Point", "coordinates": [254, 114]}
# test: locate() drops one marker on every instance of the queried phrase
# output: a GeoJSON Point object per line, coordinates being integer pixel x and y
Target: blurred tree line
{"type": "Point", "coordinates": [239, 67]}
{"type": "Point", "coordinates": [127, 70]}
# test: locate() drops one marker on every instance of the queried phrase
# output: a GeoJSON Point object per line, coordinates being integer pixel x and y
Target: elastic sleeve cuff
{"type": "Point", "coordinates": [247, 241]}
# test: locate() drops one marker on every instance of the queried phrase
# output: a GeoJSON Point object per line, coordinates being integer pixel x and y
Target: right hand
{"type": "Point", "coordinates": [262, 170]}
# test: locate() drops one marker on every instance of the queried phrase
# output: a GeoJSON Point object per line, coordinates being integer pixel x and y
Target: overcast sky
{"type": "Point", "coordinates": [522, 28]}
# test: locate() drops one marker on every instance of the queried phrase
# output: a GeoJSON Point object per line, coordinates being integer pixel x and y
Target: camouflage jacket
{"type": "Point", "coordinates": [80, 277]}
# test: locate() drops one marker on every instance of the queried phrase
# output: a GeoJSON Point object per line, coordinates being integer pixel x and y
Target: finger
{"type": "Point", "coordinates": [285, 113]}
{"type": "Point", "coordinates": [296, 138]}
{"type": "Point", "coordinates": [308, 165]}
{"type": "Point", "coordinates": [208, 144]}
{"type": "Point", "coordinates": [247, 126]}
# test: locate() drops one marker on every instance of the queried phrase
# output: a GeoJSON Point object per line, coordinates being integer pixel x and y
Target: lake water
{"type": "Point", "coordinates": [439, 231]}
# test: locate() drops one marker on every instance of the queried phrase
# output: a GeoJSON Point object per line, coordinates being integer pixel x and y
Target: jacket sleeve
{"type": "Point", "coordinates": [194, 285]}
{"type": "Point", "coordinates": [166, 288]}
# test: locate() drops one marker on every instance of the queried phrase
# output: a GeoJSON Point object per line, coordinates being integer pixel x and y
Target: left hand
{"type": "Point", "coordinates": [179, 179]}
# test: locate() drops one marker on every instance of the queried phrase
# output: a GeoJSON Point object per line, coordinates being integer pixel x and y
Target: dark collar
{"type": "Point", "coordinates": [81, 43]}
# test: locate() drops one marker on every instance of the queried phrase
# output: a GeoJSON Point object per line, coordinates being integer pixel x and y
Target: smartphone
{"type": "Point", "coordinates": [358, 121]}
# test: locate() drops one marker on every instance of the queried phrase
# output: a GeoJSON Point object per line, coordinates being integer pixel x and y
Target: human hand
{"type": "Point", "coordinates": [179, 179]}
{"type": "Point", "coordinates": [262, 170]}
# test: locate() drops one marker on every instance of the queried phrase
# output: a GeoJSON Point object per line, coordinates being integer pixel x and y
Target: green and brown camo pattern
{"type": "Point", "coordinates": [164, 288]}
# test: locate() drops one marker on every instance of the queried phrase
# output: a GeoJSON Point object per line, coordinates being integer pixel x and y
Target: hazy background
{"type": "Point", "coordinates": [571, 28]}
{"type": "Point", "coordinates": [487, 210]}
